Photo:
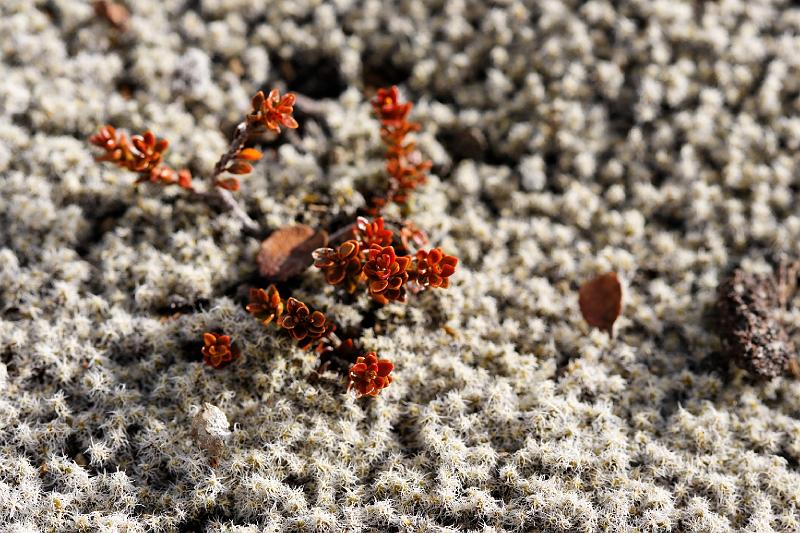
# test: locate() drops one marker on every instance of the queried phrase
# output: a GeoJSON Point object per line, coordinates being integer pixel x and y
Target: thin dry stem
{"type": "Point", "coordinates": [243, 131]}
{"type": "Point", "coordinates": [341, 232]}
{"type": "Point", "coordinates": [228, 201]}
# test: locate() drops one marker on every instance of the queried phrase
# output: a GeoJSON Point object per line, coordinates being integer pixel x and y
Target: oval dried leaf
{"type": "Point", "coordinates": [239, 167]}
{"type": "Point", "coordinates": [287, 252]}
{"type": "Point", "coordinates": [230, 184]}
{"type": "Point", "coordinates": [600, 300]}
{"type": "Point", "coordinates": [249, 154]}
{"type": "Point", "coordinates": [115, 14]}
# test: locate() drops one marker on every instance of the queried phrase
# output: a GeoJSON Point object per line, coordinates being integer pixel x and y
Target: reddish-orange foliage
{"type": "Point", "coordinates": [386, 269]}
{"type": "Point", "coordinates": [369, 375]}
{"type": "Point", "coordinates": [143, 154]}
{"type": "Point", "coordinates": [404, 163]}
{"type": "Point", "coordinates": [386, 274]}
{"type": "Point", "coordinates": [218, 350]}
{"type": "Point", "coordinates": [373, 232]}
{"type": "Point", "coordinates": [301, 323]}
{"type": "Point", "coordinates": [340, 266]}
{"type": "Point", "coordinates": [294, 316]}
{"type": "Point", "coordinates": [433, 268]}
{"type": "Point", "coordinates": [239, 164]}
{"type": "Point", "coordinates": [265, 305]}
{"type": "Point", "coordinates": [272, 111]}
{"type": "Point", "coordinates": [410, 233]}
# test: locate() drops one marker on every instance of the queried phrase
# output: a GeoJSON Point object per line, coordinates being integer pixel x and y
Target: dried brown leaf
{"type": "Point", "coordinates": [600, 300]}
{"type": "Point", "coordinates": [115, 14]}
{"type": "Point", "coordinates": [230, 184]}
{"type": "Point", "coordinates": [287, 251]}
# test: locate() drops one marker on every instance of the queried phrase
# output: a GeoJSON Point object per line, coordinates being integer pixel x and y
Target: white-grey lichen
{"type": "Point", "coordinates": [655, 139]}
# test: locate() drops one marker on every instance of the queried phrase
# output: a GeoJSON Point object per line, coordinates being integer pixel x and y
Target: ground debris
{"type": "Point", "coordinates": [748, 320]}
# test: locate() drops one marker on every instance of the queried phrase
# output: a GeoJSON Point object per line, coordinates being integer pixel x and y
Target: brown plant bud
{"type": "Point", "coordinates": [303, 324]}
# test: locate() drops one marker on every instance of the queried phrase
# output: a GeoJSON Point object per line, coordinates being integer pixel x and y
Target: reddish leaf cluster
{"type": "Point", "coordinates": [143, 154]}
{"type": "Point", "coordinates": [433, 268]}
{"type": "Point", "coordinates": [304, 325]}
{"type": "Point", "coordinates": [270, 112]}
{"type": "Point", "coordinates": [386, 274]}
{"type": "Point", "coordinates": [369, 375]}
{"type": "Point", "coordinates": [311, 327]}
{"type": "Point", "coordinates": [371, 258]}
{"type": "Point", "coordinates": [404, 164]}
{"type": "Point", "coordinates": [240, 163]}
{"type": "Point", "coordinates": [218, 351]}
{"type": "Point", "coordinates": [273, 111]}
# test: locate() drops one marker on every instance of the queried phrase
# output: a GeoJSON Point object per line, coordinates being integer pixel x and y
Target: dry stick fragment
{"type": "Point", "coordinates": [600, 300]}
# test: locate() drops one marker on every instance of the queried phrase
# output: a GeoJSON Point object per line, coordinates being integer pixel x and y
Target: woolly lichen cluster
{"type": "Point", "coordinates": [658, 140]}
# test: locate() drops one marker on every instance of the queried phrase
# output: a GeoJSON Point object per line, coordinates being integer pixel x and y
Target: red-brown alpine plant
{"type": "Point", "coordinates": [405, 166]}
{"type": "Point", "coordinates": [143, 154]}
{"type": "Point", "coordinates": [386, 274]}
{"type": "Point", "coordinates": [273, 111]}
{"type": "Point", "coordinates": [385, 268]}
{"type": "Point", "coordinates": [265, 305]}
{"type": "Point", "coordinates": [433, 268]}
{"type": "Point", "coordinates": [218, 350]}
{"type": "Point", "coordinates": [369, 375]}
{"type": "Point", "coordinates": [374, 232]}
{"type": "Point", "coordinates": [342, 265]}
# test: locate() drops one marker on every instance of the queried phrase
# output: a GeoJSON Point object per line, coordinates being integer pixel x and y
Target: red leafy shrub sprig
{"type": "Point", "coordinates": [142, 154]}
{"type": "Point", "coordinates": [312, 328]}
{"type": "Point", "coordinates": [405, 167]}
{"type": "Point", "coordinates": [369, 375]}
{"type": "Point", "coordinates": [267, 113]}
{"type": "Point", "coordinates": [295, 317]}
{"type": "Point", "coordinates": [218, 350]}
{"type": "Point", "coordinates": [366, 374]}
{"type": "Point", "coordinates": [387, 271]}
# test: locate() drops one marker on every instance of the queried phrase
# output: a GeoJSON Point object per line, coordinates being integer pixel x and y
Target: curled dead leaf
{"type": "Point", "coordinates": [600, 300]}
{"type": "Point", "coordinates": [115, 14]}
{"type": "Point", "coordinates": [287, 251]}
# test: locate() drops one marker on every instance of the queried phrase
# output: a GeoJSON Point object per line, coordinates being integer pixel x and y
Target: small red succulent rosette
{"type": "Point", "coordinates": [369, 375]}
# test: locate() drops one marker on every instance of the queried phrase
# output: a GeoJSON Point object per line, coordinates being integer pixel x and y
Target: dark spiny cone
{"type": "Point", "coordinates": [749, 325]}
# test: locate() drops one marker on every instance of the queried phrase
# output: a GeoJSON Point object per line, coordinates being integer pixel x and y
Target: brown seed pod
{"type": "Point", "coordinates": [600, 300]}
